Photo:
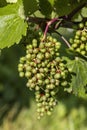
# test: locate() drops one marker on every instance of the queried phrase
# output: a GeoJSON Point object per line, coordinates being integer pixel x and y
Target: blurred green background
{"type": "Point", "coordinates": [18, 107]}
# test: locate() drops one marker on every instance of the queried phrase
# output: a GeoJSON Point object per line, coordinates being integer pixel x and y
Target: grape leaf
{"type": "Point", "coordinates": [12, 25]}
{"type": "Point", "coordinates": [64, 7]}
{"type": "Point", "coordinates": [79, 80]}
{"type": "Point", "coordinates": [51, 2]}
{"type": "Point", "coordinates": [45, 7]}
{"type": "Point", "coordinates": [30, 6]}
{"type": "Point", "coordinates": [84, 12]}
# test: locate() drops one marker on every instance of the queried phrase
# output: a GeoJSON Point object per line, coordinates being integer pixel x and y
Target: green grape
{"type": "Point", "coordinates": [79, 41]}
{"type": "Point", "coordinates": [34, 43]}
{"type": "Point", "coordinates": [28, 74]}
{"type": "Point", "coordinates": [83, 38]}
{"type": "Point", "coordinates": [45, 71]}
{"type": "Point", "coordinates": [57, 76]}
{"type": "Point", "coordinates": [47, 55]}
{"type": "Point", "coordinates": [21, 74]}
{"type": "Point", "coordinates": [40, 56]}
{"type": "Point", "coordinates": [81, 25]}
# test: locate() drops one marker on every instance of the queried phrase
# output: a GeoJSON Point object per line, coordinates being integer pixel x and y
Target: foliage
{"type": "Point", "coordinates": [22, 20]}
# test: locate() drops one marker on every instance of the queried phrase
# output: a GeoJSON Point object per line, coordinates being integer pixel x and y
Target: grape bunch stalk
{"type": "Point", "coordinates": [79, 42]}
{"type": "Point", "coordinates": [45, 71]}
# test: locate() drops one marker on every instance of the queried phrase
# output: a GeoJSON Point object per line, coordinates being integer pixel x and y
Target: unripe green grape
{"type": "Point", "coordinates": [64, 83]}
{"type": "Point", "coordinates": [84, 33]}
{"type": "Point", "coordinates": [52, 80]}
{"type": "Point", "coordinates": [39, 104]}
{"type": "Point", "coordinates": [22, 59]}
{"type": "Point", "coordinates": [83, 52]}
{"type": "Point", "coordinates": [41, 46]}
{"type": "Point", "coordinates": [32, 85]}
{"type": "Point", "coordinates": [83, 38]}
{"type": "Point", "coordinates": [47, 55]}
{"type": "Point", "coordinates": [33, 56]}
{"type": "Point", "coordinates": [57, 83]}
{"type": "Point", "coordinates": [21, 74]}
{"type": "Point", "coordinates": [28, 56]}
{"type": "Point", "coordinates": [41, 114]}
{"type": "Point", "coordinates": [29, 46]}
{"type": "Point", "coordinates": [38, 61]}
{"type": "Point", "coordinates": [28, 68]}
{"type": "Point", "coordinates": [44, 98]}
{"type": "Point", "coordinates": [28, 74]}
{"type": "Point", "coordinates": [78, 50]}
{"type": "Point", "coordinates": [34, 70]}
{"type": "Point", "coordinates": [46, 70]}
{"type": "Point", "coordinates": [20, 66]}
{"type": "Point", "coordinates": [86, 24]}
{"type": "Point", "coordinates": [78, 33]}
{"type": "Point", "coordinates": [82, 46]}
{"type": "Point", "coordinates": [38, 110]}
{"type": "Point", "coordinates": [74, 45]}
{"type": "Point", "coordinates": [40, 56]}
{"type": "Point", "coordinates": [40, 82]}
{"type": "Point", "coordinates": [47, 95]}
{"type": "Point", "coordinates": [47, 81]}
{"type": "Point", "coordinates": [43, 64]}
{"type": "Point", "coordinates": [86, 47]}
{"type": "Point", "coordinates": [57, 45]}
{"type": "Point", "coordinates": [20, 69]}
{"type": "Point", "coordinates": [57, 76]}
{"type": "Point", "coordinates": [39, 76]}
{"type": "Point", "coordinates": [34, 43]}
{"type": "Point", "coordinates": [43, 50]}
{"type": "Point", "coordinates": [37, 88]}
{"type": "Point", "coordinates": [61, 64]}
{"type": "Point", "coordinates": [35, 50]}
{"type": "Point", "coordinates": [52, 93]}
{"type": "Point", "coordinates": [54, 40]}
{"type": "Point", "coordinates": [81, 25]}
{"type": "Point", "coordinates": [47, 44]}
{"type": "Point", "coordinates": [50, 38]}
{"type": "Point", "coordinates": [76, 37]}
{"type": "Point", "coordinates": [34, 79]}
{"type": "Point", "coordinates": [63, 73]}
{"type": "Point", "coordinates": [50, 86]}
{"type": "Point", "coordinates": [42, 110]}
{"type": "Point", "coordinates": [49, 113]}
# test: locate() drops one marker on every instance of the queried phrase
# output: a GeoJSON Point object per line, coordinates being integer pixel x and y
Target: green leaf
{"type": "Point", "coordinates": [64, 7]}
{"type": "Point", "coordinates": [30, 6]}
{"type": "Point", "coordinates": [45, 7]}
{"type": "Point", "coordinates": [51, 2]}
{"type": "Point", "coordinates": [12, 24]}
{"type": "Point", "coordinates": [84, 12]}
{"type": "Point", "coordinates": [79, 80]}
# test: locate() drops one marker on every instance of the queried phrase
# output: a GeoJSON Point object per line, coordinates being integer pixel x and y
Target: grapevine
{"type": "Point", "coordinates": [52, 61]}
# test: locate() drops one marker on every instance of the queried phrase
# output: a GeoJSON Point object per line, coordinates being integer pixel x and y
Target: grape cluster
{"type": "Point", "coordinates": [45, 71]}
{"type": "Point", "coordinates": [79, 43]}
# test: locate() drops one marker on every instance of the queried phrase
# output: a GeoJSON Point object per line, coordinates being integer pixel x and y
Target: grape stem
{"type": "Point", "coordinates": [47, 27]}
{"type": "Point", "coordinates": [63, 38]}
